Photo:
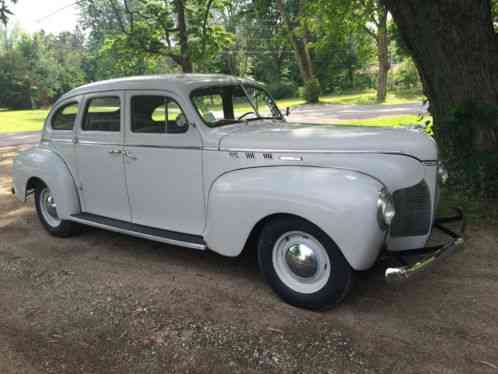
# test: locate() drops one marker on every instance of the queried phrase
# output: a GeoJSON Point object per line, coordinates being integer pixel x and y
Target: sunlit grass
{"type": "Point", "coordinates": [32, 120]}
{"type": "Point", "coordinates": [22, 120]}
{"type": "Point", "coordinates": [388, 121]}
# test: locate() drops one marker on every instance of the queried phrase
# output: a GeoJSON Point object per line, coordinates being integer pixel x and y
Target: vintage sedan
{"type": "Point", "coordinates": [210, 162]}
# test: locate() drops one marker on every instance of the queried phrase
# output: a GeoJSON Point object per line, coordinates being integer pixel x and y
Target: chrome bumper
{"type": "Point", "coordinates": [431, 255]}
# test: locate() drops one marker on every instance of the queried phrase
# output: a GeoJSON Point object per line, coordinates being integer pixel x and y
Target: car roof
{"type": "Point", "coordinates": [174, 82]}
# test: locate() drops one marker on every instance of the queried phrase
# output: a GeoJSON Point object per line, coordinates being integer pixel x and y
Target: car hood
{"type": "Point", "coordinates": [283, 136]}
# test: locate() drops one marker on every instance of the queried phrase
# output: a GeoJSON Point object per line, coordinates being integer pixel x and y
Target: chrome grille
{"type": "Point", "coordinates": [413, 211]}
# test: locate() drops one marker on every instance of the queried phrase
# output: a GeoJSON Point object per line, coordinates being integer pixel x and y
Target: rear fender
{"type": "Point", "coordinates": [342, 203]}
{"type": "Point", "coordinates": [44, 164]}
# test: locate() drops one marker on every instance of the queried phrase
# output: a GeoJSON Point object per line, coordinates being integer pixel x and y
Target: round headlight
{"type": "Point", "coordinates": [442, 173]}
{"type": "Point", "coordinates": [385, 209]}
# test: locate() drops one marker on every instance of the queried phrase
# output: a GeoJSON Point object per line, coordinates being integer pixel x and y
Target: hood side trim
{"type": "Point", "coordinates": [323, 151]}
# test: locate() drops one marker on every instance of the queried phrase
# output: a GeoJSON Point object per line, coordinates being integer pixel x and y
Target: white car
{"type": "Point", "coordinates": [209, 161]}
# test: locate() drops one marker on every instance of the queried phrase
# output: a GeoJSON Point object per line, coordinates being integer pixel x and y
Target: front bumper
{"type": "Point", "coordinates": [433, 254]}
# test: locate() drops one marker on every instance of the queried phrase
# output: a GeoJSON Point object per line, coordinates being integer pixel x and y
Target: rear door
{"type": "Point", "coordinates": [99, 155]}
{"type": "Point", "coordinates": [163, 162]}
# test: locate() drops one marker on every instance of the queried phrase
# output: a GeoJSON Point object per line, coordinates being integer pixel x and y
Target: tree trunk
{"type": "Point", "coordinates": [382, 54]}
{"type": "Point", "coordinates": [299, 44]}
{"type": "Point", "coordinates": [185, 58]}
{"type": "Point", "coordinates": [455, 49]}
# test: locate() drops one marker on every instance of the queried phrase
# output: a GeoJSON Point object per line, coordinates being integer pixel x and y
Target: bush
{"type": "Point", "coordinates": [312, 90]}
{"type": "Point", "coordinates": [282, 90]}
{"type": "Point", "coordinates": [406, 76]}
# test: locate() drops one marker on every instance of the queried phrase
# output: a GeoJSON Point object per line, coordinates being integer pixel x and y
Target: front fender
{"type": "Point", "coordinates": [342, 203]}
{"type": "Point", "coordinates": [43, 163]}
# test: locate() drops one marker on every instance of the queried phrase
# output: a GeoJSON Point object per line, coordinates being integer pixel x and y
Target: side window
{"type": "Point", "coordinates": [210, 106]}
{"type": "Point", "coordinates": [157, 115]}
{"type": "Point", "coordinates": [103, 114]}
{"type": "Point", "coordinates": [65, 117]}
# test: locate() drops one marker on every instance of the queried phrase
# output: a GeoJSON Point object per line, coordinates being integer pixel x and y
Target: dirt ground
{"type": "Point", "coordinates": [107, 303]}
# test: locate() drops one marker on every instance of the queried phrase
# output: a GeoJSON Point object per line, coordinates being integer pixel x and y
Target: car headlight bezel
{"type": "Point", "coordinates": [385, 209]}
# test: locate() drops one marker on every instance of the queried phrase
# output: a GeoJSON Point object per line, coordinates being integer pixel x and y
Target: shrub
{"type": "Point", "coordinates": [282, 90]}
{"type": "Point", "coordinates": [406, 75]}
{"type": "Point", "coordinates": [312, 90]}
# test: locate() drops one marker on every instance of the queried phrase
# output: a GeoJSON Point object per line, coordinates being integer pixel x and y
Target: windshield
{"type": "Point", "coordinates": [225, 105]}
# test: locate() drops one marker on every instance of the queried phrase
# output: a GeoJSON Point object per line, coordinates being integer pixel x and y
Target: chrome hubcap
{"type": "Point", "coordinates": [301, 262]}
{"type": "Point", "coordinates": [49, 208]}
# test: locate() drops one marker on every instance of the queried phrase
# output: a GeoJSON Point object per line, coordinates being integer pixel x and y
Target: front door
{"type": "Point", "coordinates": [99, 155]}
{"type": "Point", "coordinates": [163, 162]}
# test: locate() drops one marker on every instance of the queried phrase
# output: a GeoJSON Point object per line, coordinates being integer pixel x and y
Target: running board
{"type": "Point", "coordinates": [145, 232]}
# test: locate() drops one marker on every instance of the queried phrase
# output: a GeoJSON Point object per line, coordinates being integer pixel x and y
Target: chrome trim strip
{"type": "Point", "coordinates": [60, 140]}
{"type": "Point", "coordinates": [322, 151]}
{"type": "Point", "coordinates": [164, 146]}
{"type": "Point", "coordinates": [430, 163]}
{"type": "Point", "coordinates": [93, 142]}
{"type": "Point", "coordinates": [206, 148]}
{"type": "Point", "coordinates": [140, 235]}
{"type": "Point", "coordinates": [291, 158]}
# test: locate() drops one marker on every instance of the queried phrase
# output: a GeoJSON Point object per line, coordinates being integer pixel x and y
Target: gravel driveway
{"type": "Point", "coordinates": [107, 303]}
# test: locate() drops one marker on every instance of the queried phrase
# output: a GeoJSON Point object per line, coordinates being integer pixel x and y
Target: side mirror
{"type": "Point", "coordinates": [287, 111]}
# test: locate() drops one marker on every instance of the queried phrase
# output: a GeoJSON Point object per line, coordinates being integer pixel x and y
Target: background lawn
{"type": "Point", "coordinates": [32, 120]}
{"type": "Point", "coordinates": [388, 121]}
{"type": "Point", "coordinates": [22, 120]}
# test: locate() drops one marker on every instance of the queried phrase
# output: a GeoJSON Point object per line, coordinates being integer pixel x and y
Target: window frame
{"type": "Point", "coordinates": [89, 100]}
{"type": "Point", "coordinates": [61, 108]}
{"type": "Point", "coordinates": [167, 98]}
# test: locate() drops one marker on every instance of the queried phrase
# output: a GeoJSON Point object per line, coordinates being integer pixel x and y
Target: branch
{"type": "Point", "coordinates": [118, 16]}
{"type": "Point", "coordinates": [130, 14]}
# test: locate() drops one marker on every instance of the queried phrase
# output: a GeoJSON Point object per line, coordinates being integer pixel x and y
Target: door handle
{"type": "Point", "coordinates": [115, 151]}
{"type": "Point", "coordinates": [129, 155]}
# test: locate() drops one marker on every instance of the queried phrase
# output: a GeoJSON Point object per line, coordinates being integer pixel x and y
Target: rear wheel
{"type": "Point", "coordinates": [46, 207]}
{"type": "Point", "coordinates": [302, 264]}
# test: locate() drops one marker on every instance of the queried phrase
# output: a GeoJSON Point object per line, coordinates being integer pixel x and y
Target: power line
{"type": "Point", "coordinates": [57, 11]}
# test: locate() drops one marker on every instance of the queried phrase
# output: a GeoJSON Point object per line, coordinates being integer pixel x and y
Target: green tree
{"type": "Point", "coordinates": [180, 30]}
{"type": "Point", "coordinates": [296, 19]}
{"type": "Point", "coordinates": [373, 17]}
{"type": "Point", "coordinates": [341, 50]}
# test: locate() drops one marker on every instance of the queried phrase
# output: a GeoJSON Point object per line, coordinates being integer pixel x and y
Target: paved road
{"type": "Point", "coordinates": [19, 138]}
{"type": "Point", "coordinates": [322, 113]}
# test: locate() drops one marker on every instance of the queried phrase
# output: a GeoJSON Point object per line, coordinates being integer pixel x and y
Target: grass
{"type": "Point", "coordinates": [32, 120]}
{"type": "Point", "coordinates": [22, 120]}
{"type": "Point", "coordinates": [476, 210]}
{"type": "Point", "coordinates": [387, 121]}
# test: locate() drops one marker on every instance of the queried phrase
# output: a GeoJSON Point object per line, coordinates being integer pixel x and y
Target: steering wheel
{"type": "Point", "coordinates": [246, 114]}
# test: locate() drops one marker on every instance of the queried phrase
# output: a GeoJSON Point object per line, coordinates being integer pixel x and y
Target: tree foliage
{"type": "Point", "coordinates": [38, 68]}
{"type": "Point", "coordinates": [179, 30]}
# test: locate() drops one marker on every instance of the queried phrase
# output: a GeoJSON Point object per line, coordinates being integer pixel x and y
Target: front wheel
{"type": "Point", "coordinates": [46, 208]}
{"type": "Point", "coordinates": [302, 264]}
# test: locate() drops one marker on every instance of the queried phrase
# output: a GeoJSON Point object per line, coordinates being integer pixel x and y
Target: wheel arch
{"type": "Point", "coordinates": [41, 165]}
{"type": "Point", "coordinates": [334, 200]}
